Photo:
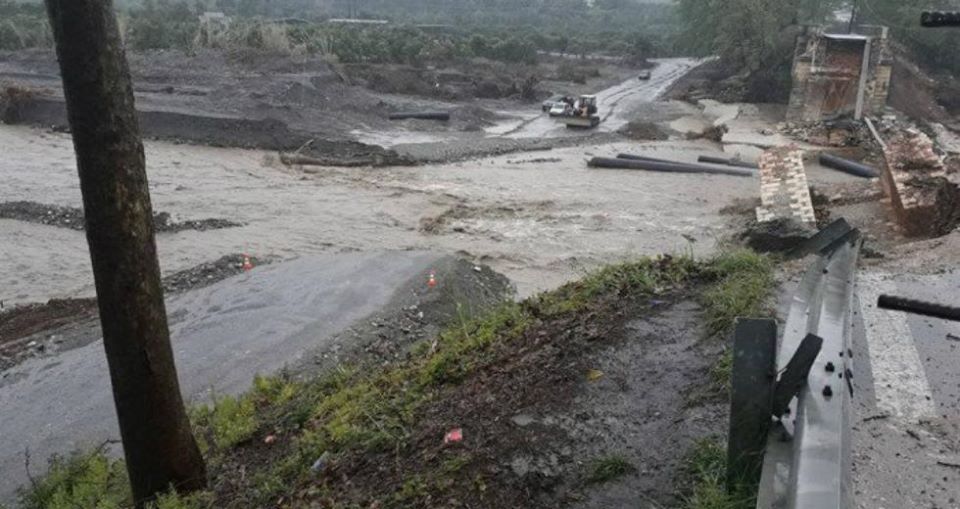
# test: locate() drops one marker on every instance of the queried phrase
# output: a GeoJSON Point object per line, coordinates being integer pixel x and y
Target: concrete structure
{"type": "Point", "coordinates": [784, 193]}
{"type": "Point", "coordinates": [840, 75]}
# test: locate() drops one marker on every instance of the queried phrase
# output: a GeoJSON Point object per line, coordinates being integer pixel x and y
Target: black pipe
{"type": "Point", "coordinates": [726, 162]}
{"type": "Point", "coordinates": [633, 157]}
{"type": "Point", "coordinates": [918, 307]}
{"type": "Point", "coordinates": [853, 168]}
{"type": "Point", "coordinates": [425, 115]}
{"type": "Point", "coordinates": [629, 164]}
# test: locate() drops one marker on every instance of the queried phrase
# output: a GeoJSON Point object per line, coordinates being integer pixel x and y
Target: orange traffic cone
{"type": "Point", "coordinates": [247, 265]}
{"type": "Point", "coordinates": [432, 280]}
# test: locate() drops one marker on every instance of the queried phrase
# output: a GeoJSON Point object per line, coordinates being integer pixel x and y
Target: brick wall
{"type": "Point", "coordinates": [784, 193]}
{"type": "Point", "coordinates": [924, 202]}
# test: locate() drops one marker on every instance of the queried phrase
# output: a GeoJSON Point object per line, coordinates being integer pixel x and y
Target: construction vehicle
{"type": "Point", "coordinates": [582, 114]}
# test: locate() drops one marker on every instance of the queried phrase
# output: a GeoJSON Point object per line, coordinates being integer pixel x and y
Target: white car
{"type": "Point", "coordinates": [559, 109]}
{"type": "Point", "coordinates": [550, 103]}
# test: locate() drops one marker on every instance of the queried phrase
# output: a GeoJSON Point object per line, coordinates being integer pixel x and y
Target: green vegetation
{"type": "Point", "coordinates": [23, 26]}
{"type": "Point", "coordinates": [934, 49]}
{"type": "Point", "coordinates": [721, 372]}
{"type": "Point", "coordinates": [92, 480]}
{"type": "Point", "coordinates": [231, 420]}
{"type": "Point", "coordinates": [706, 466]}
{"type": "Point", "coordinates": [744, 284]}
{"type": "Point", "coordinates": [376, 410]}
{"type": "Point", "coordinates": [755, 38]}
{"type": "Point", "coordinates": [608, 468]}
{"type": "Point", "coordinates": [514, 33]}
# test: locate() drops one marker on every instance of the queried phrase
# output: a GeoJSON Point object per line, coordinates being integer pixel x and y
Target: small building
{"type": "Point", "coordinates": [840, 75]}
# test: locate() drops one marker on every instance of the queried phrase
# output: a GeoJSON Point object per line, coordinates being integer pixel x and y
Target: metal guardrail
{"type": "Point", "coordinates": [806, 457]}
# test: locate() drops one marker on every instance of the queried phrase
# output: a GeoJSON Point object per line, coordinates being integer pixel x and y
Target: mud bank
{"type": "Point", "coordinates": [217, 131]}
{"type": "Point", "coordinates": [72, 218]}
{"type": "Point", "coordinates": [46, 328]}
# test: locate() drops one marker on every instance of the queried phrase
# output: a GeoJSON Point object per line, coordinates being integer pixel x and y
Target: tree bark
{"type": "Point", "coordinates": [159, 447]}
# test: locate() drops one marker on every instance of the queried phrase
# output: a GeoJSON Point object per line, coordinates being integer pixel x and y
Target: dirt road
{"type": "Point", "coordinates": [618, 105]}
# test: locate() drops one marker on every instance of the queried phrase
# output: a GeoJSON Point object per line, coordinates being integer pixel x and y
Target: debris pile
{"type": "Point", "coordinates": [840, 133]}
{"type": "Point", "coordinates": [638, 130]}
{"type": "Point", "coordinates": [925, 202]}
{"type": "Point", "coordinates": [211, 272]}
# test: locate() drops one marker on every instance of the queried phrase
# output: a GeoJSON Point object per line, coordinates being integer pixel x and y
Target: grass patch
{"type": "Point", "coordinates": [743, 285]}
{"type": "Point", "coordinates": [722, 371]}
{"type": "Point", "coordinates": [706, 464]}
{"type": "Point", "coordinates": [608, 468]}
{"type": "Point", "coordinates": [81, 480]}
{"type": "Point", "coordinates": [230, 421]}
{"type": "Point", "coordinates": [376, 409]}
{"type": "Point", "coordinates": [92, 480]}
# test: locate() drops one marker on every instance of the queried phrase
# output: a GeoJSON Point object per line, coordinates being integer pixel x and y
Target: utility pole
{"type": "Point", "coordinates": [158, 445]}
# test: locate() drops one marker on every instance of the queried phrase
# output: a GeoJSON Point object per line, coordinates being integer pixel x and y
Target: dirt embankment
{"type": "Point", "coordinates": [72, 218]}
{"type": "Point", "coordinates": [286, 103]}
{"type": "Point", "coordinates": [44, 328]}
{"type": "Point", "coordinates": [545, 403]}
{"type": "Point", "coordinates": [266, 102]}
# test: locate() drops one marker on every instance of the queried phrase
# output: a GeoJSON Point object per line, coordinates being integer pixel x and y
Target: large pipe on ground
{"type": "Point", "coordinates": [423, 115]}
{"type": "Point", "coordinates": [633, 157]}
{"type": "Point", "coordinates": [846, 166]}
{"type": "Point", "coordinates": [726, 162]}
{"type": "Point", "coordinates": [633, 164]}
{"type": "Point", "coordinates": [918, 307]}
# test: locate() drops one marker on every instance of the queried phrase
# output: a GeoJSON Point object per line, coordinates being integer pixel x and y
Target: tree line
{"type": "Point", "coordinates": [435, 30]}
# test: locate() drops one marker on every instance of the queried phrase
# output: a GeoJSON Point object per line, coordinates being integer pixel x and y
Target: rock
{"type": "Point", "coordinates": [522, 420]}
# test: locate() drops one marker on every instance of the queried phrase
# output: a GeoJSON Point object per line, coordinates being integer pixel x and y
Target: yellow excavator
{"type": "Point", "coordinates": [582, 114]}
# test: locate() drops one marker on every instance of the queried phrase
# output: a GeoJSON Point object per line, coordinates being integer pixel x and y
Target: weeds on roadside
{"type": "Point", "coordinates": [742, 287]}
{"type": "Point", "coordinates": [706, 465]}
{"type": "Point", "coordinates": [93, 480]}
{"type": "Point", "coordinates": [744, 284]}
{"type": "Point", "coordinates": [608, 468]}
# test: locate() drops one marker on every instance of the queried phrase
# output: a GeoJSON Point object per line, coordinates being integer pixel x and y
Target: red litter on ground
{"type": "Point", "coordinates": [453, 436]}
{"type": "Point", "coordinates": [432, 280]}
{"type": "Point", "coordinates": [247, 265]}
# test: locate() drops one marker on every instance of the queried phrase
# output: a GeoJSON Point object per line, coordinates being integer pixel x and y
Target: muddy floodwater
{"type": "Point", "coordinates": [539, 223]}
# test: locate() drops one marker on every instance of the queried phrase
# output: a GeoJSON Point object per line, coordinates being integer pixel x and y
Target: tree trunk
{"type": "Point", "coordinates": [159, 447]}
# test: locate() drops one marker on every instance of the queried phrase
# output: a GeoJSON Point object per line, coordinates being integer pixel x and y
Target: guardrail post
{"type": "Point", "coordinates": [751, 399]}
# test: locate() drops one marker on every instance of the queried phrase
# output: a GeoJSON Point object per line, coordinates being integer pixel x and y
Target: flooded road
{"type": "Point", "coordinates": [539, 223]}
{"type": "Point", "coordinates": [617, 104]}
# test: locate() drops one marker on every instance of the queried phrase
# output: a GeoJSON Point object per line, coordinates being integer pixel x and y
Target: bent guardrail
{"type": "Point", "coordinates": [792, 433]}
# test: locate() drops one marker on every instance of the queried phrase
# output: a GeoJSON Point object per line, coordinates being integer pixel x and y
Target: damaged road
{"type": "Point", "coordinates": [907, 398]}
{"type": "Point", "coordinates": [286, 314]}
